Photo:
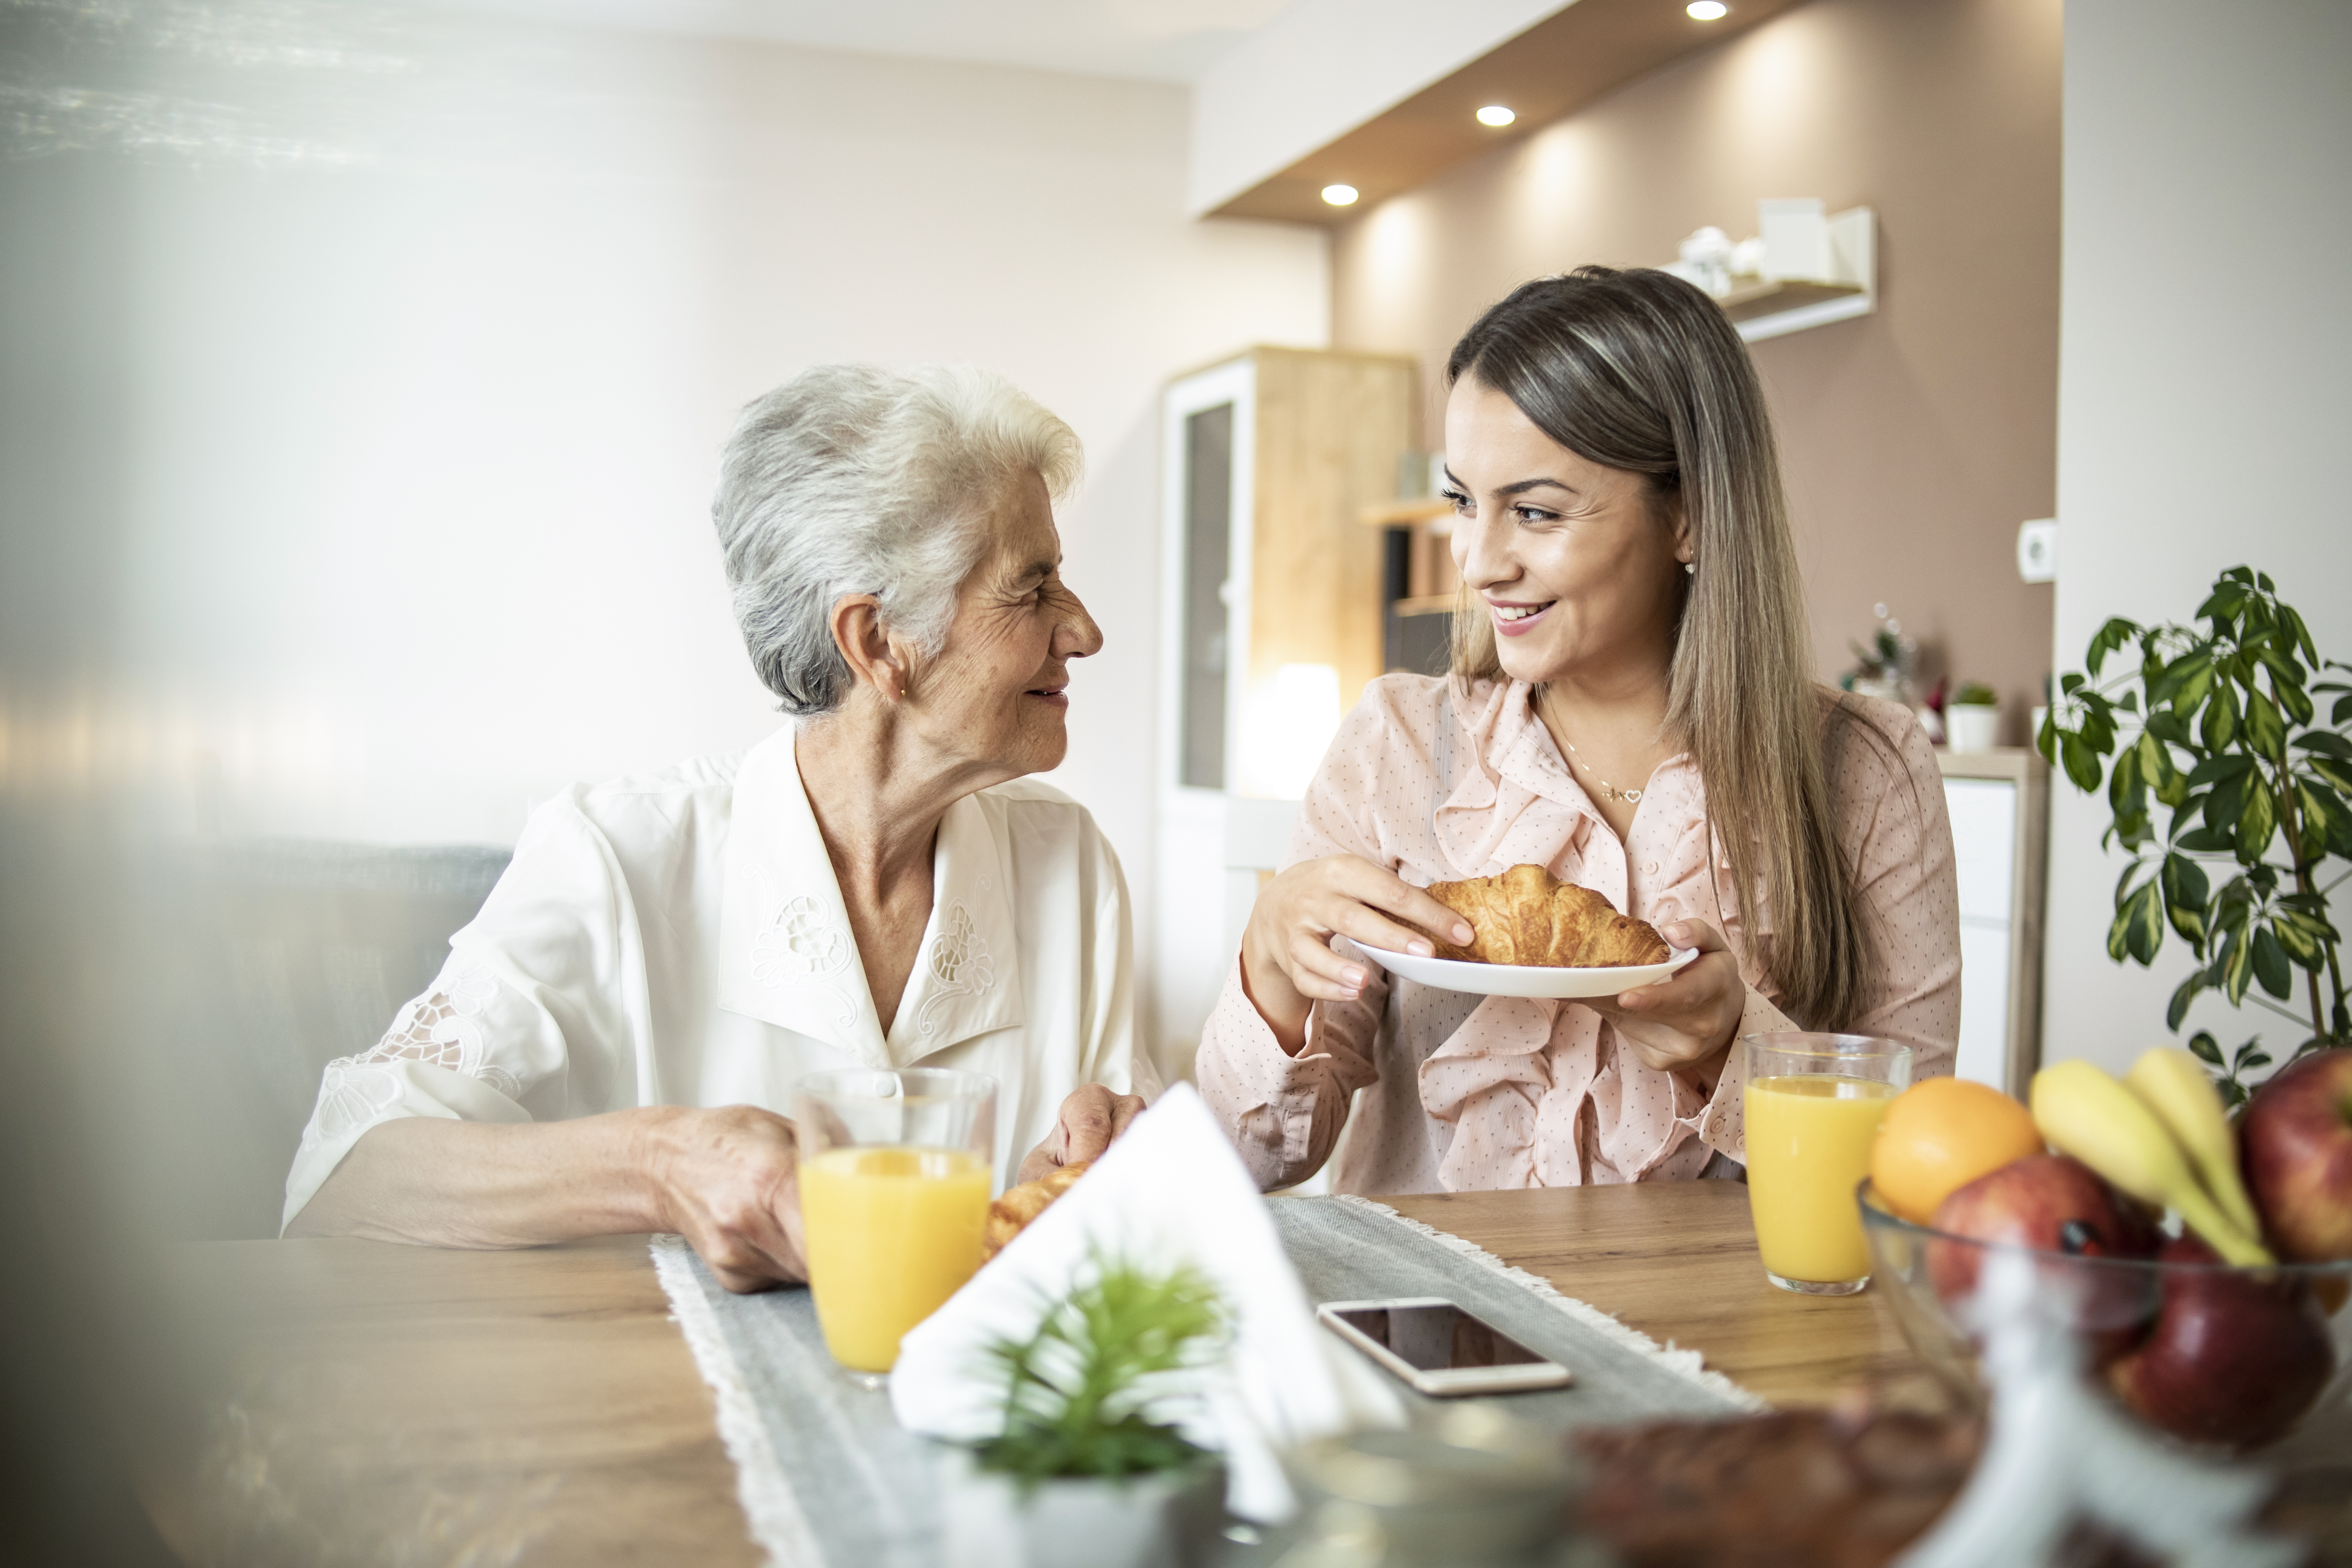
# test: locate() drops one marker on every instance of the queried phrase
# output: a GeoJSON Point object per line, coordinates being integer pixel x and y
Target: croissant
{"type": "Point", "coordinates": [1525, 915]}
{"type": "Point", "coordinates": [1011, 1215]}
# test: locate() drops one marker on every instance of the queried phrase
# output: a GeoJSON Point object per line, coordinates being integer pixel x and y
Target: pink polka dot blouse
{"type": "Point", "coordinates": [1457, 1093]}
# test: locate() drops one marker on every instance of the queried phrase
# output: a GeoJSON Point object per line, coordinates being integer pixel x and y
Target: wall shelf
{"type": "Point", "coordinates": [1765, 308]}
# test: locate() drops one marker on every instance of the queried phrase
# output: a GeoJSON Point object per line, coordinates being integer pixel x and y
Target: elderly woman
{"type": "Point", "coordinates": [612, 1038]}
{"type": "Point", "coordinates": [1631, 706]}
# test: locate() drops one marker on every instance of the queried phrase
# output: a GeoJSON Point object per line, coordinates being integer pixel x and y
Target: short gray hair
{"type": "Point", "coordinates": [850, 479]}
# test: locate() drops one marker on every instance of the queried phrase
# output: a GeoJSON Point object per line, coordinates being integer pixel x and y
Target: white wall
{"type": "Point", "coordinates": [434, 365]}
{"type": "Point", "coordinates": [2203, 395]}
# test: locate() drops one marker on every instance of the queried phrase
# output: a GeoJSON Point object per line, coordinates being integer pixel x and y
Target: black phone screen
{"type": "Point", "coordinates": [1434, 1339]}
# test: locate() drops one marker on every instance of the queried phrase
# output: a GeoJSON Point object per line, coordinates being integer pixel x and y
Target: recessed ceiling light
{"type": "Point", "coordinates": [1495, 114]}
{"type": "Point", "coordinates": [1708, 10]}
{"type": "Point", "coordinates": [1338, 196]}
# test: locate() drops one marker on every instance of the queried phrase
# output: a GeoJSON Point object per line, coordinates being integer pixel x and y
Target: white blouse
{"type": "Point", "coordinates": [680, 939]}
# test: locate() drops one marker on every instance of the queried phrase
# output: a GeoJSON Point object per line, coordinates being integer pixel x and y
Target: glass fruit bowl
{"type": "Point", "coordinates": [2236, 1358]}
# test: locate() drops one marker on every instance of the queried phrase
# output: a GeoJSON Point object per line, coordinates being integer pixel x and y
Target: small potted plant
{"type": "Point", "coordinates": [1097, 1466]}
{"type": "Point", "coordinates": [1972, 717]}
{"type": "Point", "coordinates": [1883, 669]}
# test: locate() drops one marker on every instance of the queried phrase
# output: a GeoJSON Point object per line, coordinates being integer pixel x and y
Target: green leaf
{"type": "Point", "coordinates": [2325, 818]}
{"type": "Point", "coordinates": [2269, 962]}
{"type": "Point", "coordinates": [2300, 943]}
{"type": "Point", "coordinates": [2070, 683]}
{"type": "Point", "coordinates": [2139, 928]}
{"type": "Point", "coordinates": [2107, 640]}
{"type": "Point", "coordinates": [2081, 763]}
{"type": "Point", "coordinates": [2179, 1009]}
{"type": "Point", "coordinates": [2327, 742]}
{"type": "Point", "coordinates": [2338, 774]}
{"type": "Point", "coordinates": [2218, 726]}
{"type": "Point", "coordinates": [2213, 770]}
{"type": "Point", "coordinates": [2205, 1047]}
{"type": "Point", "coordinates": [2277, 653]}
{"type": "Point", "coordinates": [2265, 731]}
{"type": "Point", "coordinates": [2341, 712]}
{"type": "Point", "coordinates": [2157, 766]}
{"type": "Point", "coordinates": [2257, 825]}
{"type": "Point", "coordinates": [2045, 740]}
{"type": "Point", "coordinates": [2186, 892]}
{"type": "Point", "coordinates": [2195, 686]}
{"type": "Point", "coordinates": [2222, 605]}
{"type": "Point", "coordinates": [2237, 970]}
{"type": "Point", "coordinates": [2227, 803]}
{"type": "Point", "coordinates": [2302, 634]}
{"type": "Point", "coordinates": [2168, 727]}
{"type": "Point", "coordinates": [2296, 701]}
{"type": "Point", "coordinates": [2202, 841]}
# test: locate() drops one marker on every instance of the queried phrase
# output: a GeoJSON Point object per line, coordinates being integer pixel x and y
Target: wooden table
{"type": "Point", "coordinates": [540, 1405]}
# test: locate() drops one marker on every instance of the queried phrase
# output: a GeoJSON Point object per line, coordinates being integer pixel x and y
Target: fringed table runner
{"type": "Point", "coordinates": [827, 1478]}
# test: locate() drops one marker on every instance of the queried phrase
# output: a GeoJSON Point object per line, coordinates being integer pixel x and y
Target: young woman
{"type": "Point", "coordinates": [1629, 707]}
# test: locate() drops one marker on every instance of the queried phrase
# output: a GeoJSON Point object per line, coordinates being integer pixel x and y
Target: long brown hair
{"type": "Point", "coordinates": [1638, 370]}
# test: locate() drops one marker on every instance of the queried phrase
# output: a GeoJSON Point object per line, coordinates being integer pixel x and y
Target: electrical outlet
{"type": "Point", "coordinates": [2037, 549]}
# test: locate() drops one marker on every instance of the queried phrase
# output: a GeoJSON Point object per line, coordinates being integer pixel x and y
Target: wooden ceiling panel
{"type": "Point", "coordinates": [1555, 68]}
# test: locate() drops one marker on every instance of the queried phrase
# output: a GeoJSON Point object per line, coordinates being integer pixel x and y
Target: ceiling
{"type": "Point", "coordinates": [1161, 40]}
{"type": "Point", "coordinates": [1579, 53]}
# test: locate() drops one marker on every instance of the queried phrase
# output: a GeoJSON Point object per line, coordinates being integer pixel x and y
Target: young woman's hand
{"type": "Point", "coordinates": [1288, 965]}
{"type": "Point", "coordinates": [1691, 1015]}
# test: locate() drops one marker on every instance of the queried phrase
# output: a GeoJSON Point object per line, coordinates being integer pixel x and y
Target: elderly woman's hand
{"type": "Point", "coordinates": [1091, 1118]}
{"type": "Point", "coordinates": [728, 1181]}
{"type": "Point", "coordinates": [1287, 962]}
{"type": "Point", "coordinates": [1688, 1018]}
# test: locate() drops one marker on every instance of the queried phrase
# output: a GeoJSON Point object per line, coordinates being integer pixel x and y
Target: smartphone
{"type": "Point", "coordinates": [1440, 1349]}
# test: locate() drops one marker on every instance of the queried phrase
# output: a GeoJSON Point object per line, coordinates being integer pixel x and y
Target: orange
{"type": "Point", "coordinates": [1941, 1134]}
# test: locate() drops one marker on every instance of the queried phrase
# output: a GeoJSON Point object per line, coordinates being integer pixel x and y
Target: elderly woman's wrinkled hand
{"type": "Point", "coordinates": [1091, 1118]}
{"type": "Point", "coordinates": [728, 1181]}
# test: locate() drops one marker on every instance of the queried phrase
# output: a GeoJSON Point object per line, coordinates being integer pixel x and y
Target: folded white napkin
{"type": "Point", "coordinates": [1172, 1190]}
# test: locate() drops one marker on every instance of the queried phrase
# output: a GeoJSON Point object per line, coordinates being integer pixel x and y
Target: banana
{"type": "Point", "coordinates": [2084, 1112]}
{"type": "Point", "coordinates": [2173, 1084]}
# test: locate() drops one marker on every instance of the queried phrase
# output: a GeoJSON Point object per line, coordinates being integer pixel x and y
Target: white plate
{"type": "Point", "coordinates": [1526, 979]}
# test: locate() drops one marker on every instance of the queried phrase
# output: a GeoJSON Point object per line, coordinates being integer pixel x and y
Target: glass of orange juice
{"type": "Point", "coordinates": [1814, 1103]}
{"type": "Point", "coordinates": [893, 1179]}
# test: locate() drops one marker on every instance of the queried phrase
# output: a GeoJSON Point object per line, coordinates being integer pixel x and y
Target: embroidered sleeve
{"type": "Point", "coordinates": [441, 1028]}
{"type": "Point", "coordinates": [527, 1020]}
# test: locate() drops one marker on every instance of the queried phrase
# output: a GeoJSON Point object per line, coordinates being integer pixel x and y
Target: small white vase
{"type": "Point", "coordinates": [1160, 1521]}
{"type": "Point", "coordinates": [1972, 726]}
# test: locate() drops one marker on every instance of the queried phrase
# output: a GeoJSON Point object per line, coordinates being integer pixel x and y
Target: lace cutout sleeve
{"type": "Point", "coordinates": [441, 1028]}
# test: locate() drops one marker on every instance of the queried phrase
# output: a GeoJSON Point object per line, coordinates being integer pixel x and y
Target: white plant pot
{"type": "Point", "coordinates": [1972, 726]}
{"type": "Point", "coordinates": [1163, 1520]}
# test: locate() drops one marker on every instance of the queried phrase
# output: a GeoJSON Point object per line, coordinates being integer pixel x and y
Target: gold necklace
{"type": "Point", "coordinates": [1608, 791]}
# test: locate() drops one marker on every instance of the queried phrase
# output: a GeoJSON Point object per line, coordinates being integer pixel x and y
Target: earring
{"type": "Point", "coordinates": [1690, 568]}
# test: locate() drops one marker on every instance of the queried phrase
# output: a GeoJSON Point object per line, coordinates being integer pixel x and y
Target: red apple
{"type": "Point", "coordinates": [2056, 1204]}
{"type": "Point", "coordinates": [2234, 1358]}
{"type": "Point", "coordinates": [2297, 1142]}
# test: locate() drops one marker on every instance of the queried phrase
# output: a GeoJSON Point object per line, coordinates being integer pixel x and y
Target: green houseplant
{"type": "Point", "coordinates": [2223, 727]}
{"type": "Point", "coordinates": [1093, 1467]}
{"type": "Point", "coordinates": [1090, 1393]}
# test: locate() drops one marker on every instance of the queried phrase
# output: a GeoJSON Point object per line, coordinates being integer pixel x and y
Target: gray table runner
{"type": "Point", "coordinates": [828, 1480]}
